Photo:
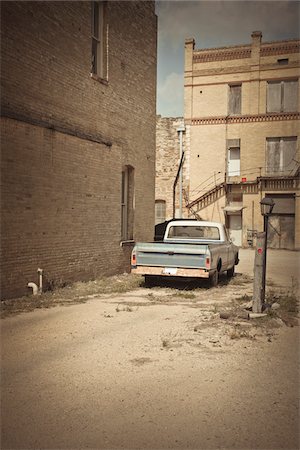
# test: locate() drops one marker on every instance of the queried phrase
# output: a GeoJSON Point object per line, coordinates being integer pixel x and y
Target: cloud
{"type": "Point", "coordinates": [170, 95]}
{"type": "Point", "coordinates": [217, 23]}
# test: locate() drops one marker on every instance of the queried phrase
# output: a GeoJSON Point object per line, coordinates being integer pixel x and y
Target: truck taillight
{"type": "Point", "coordinates": [133, 259]}
{"type": "Point", "coordinates": [207, 262]}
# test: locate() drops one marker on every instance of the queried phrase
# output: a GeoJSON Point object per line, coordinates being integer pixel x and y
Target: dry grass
{"type": "Point", "coordinates": [240, 279]}
{"type": "Point", "coordinates": [76, 293]}
{"type": "Point", "coordinates": [239, 333]}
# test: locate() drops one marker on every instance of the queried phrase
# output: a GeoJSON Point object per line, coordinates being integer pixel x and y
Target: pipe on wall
{"type": "Point", "coordinates": [34, 288]}
{"type": "Point", "coordinates": [40, 273]}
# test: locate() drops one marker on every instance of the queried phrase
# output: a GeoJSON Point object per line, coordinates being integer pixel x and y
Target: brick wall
{"type": "Point", "coordinates": [66, 138]}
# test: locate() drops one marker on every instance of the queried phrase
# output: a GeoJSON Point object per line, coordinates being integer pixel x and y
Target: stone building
{"type": "Point", "coordinates": [78, 85]}
{"type": "Point", "coordinates": [168, 155]}
{"type": "Point", "coordinates": [242, 115]}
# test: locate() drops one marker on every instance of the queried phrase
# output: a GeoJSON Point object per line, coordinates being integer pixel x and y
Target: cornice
{"type": "Point", "coordinates": [280, 49]}
{"type": "Point", "coordinates": [244, 52]}
{"type": "Point", "coordinates": [243, 69]}
{"type": "Point", "coordinates": [244, 119]}
{"type": "Point", "coordinates": [222, 55]}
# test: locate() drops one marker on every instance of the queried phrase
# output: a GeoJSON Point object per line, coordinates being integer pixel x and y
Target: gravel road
{"type": "Point", "coordinates": [152, 369]}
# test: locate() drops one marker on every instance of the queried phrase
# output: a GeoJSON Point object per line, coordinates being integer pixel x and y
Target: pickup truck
{"type": "Point", "coordinates": [190, 249]}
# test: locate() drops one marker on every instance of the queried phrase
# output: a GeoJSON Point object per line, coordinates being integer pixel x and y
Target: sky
{"type": "Point", "coordinates": [212, 23]}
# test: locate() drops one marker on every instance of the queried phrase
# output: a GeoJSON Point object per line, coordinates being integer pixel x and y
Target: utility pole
{"type": "Point", "coordinates": [258, 290]}
{"type": "Point", "coordinates": [260, 262]}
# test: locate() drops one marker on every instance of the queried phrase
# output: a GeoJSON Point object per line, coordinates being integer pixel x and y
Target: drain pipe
{"type": "Point", "coordinates": [34, 288]}
{"type": "Point", "coordinates": [37, 289]}
{"type": "Point", "coordinates": [180, 130]}
{"type": "Point", "coordinates": [176, 181]}
{"type": "Point", "coordinates": [40, 274]}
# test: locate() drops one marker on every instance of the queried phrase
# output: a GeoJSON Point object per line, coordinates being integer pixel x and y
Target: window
{"type": "Point", "coordinates": [282, 96]}
{"type": "Point", "coordinates": [283, 61]}
{"type": "Point", "coordinates": [234, 157]}
{"type": "Point", "coordinates": [280, 154]}
{"type": "Point", "coordinates": [235, 99]}
{"type": "Point", "coordinates": [127, 203]}
{"type": "Point", "coordinates": [194, 232]}
{"type": "Point", "coordinates": [235, 199]}
{"type": "Point", "coordinates": [283, 203]}
{"type": "Point", "coordinates": [99, 40]}
{"type": "Point", "coordinates": [160, 211]}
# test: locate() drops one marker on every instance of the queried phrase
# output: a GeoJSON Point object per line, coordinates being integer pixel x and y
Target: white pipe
{"type": "Point", "coordinates": [34, 288]}
{"type": "Point", "coordinates": [40, 273]}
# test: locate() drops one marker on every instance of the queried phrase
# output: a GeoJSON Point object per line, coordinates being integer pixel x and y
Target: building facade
{"type": "Point", "coordinates": [78, 93]}
{"type": "Point", "coordinates": [242, 115]}
{"type": "Point", "coordinates": [171, 142]}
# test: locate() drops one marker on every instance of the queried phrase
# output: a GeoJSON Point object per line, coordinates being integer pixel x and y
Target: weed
{"type": "Point", "coordinates": [165, 343]}
{"type": "Point", "coordinates": [185, 295]}
{"type": "Point", "coordinates": [140, 361]}
{"type": "Point", "coordinates": [238, 333]}
{"type": "Point", "coordinates": [240, 279]}
{"type": "Point", "coordinates": [125, 308]}
{"type": "Point", "coordinates": [244, 298]}
{"type": "Point", "coordinates": [215, 309]}
{"type": "Point", "coordinates": [288, 301]}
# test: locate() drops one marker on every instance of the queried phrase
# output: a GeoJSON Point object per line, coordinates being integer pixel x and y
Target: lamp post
{"type": "Point", "coordinates": [266, 207]}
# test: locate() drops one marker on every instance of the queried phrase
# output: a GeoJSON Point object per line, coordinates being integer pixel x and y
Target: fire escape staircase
{"type": "Point", "coordinates": [205, 200]}
{"type": "Point", "coordinates": [275, 183]}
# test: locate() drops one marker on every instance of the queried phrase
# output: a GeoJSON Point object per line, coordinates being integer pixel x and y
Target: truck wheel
{"type": "Point", "coordinates": [230, 272]}
{"type": "Point", "coordinates": [213, 279]}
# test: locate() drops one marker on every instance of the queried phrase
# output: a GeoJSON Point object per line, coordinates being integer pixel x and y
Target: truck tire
{"type": "Point", "coordinates": [213, 279]}
{"type": "Point", "coordinates": [230, 272]}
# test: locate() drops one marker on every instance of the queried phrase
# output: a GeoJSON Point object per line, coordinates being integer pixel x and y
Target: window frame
{"type": "Point", "coordinates": [127, 203]}
{"type": "Point", "coordinates": [99, 38]}
{"type": "Point", "coordinates": [231, 103]}
{"type": "Point", "coordinates": [282, 169]}
{"type": "Point", "coordinates": [281, 107]}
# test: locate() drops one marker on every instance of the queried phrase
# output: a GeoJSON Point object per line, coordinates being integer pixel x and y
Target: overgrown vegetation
{"type": "Point", "coordinates": [78, 292]}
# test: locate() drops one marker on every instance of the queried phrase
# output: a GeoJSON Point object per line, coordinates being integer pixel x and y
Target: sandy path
{"type": "Point", "coordinates": [130, 371]}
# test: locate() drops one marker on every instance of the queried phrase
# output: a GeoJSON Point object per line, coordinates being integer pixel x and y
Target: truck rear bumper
{"type": "Point", "coordinates": [170, 272]}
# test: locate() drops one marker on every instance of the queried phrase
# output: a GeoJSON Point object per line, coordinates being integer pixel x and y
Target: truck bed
{"type": "Point", "coordinates": [180, 255]}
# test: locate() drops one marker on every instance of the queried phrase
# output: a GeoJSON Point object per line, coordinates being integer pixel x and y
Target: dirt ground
{"type": "Point", "coordinates": [116, 365]}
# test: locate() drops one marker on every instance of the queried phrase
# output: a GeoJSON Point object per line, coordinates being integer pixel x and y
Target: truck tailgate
{"type": "Point", "coordinates": [171, 255]}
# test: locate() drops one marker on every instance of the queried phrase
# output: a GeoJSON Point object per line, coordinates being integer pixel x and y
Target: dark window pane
{"type": "Point", "coordinates": [235, 99]}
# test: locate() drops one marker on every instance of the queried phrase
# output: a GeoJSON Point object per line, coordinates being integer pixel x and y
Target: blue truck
{"type": "Point", "coordinates": [190, 249]}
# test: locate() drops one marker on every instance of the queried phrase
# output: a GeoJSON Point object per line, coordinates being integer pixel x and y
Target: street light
{"type": "Point", "coordinates": [266, 207]}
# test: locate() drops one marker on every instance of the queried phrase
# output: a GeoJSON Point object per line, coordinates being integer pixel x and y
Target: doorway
{"type": "Point", "coordinates": [235, 228]}
{"type": "Point", "coordinates": [234, 162]}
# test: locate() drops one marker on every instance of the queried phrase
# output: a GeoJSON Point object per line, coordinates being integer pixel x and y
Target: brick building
{"type": "Point", "coordinates": [78, 85]}
{"type": "Point", "coordinates": [242, 116]}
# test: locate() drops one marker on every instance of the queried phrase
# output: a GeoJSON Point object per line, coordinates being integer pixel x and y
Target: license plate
{"type": "Point", "coordinates": [170, 271]}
